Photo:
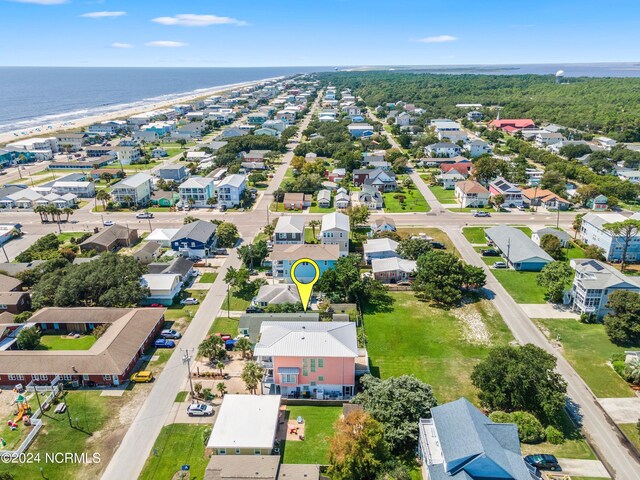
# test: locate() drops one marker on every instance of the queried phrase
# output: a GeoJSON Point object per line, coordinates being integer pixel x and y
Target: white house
{"type": "Point", "coordinates": [442, 149]}
{"type": "Point", "coordinates": [335, 230]}
{"type": "Point", "coordinates": [548, 138]}
{"type": "Point", "coordinates": [477, 148]}
{"type": "Point", "coordinates": [80, 189]}
{"type": "Point", "coordinates": [163, 287]}
{"type": "Point", "coordinates": [341, 199]}
{"type": "Point", "coordinates": [593, 232]}
{"type": "Point", "coordinates": [136, 189]}
{"type": "Point", "coordinates": [470, 193]}
{"type": "Point", "coordinates": [450, 179]}
{"type": "Point", "coordinates": [196, 191]}
{"type": "Point", "coordinates": [393, 269]}
{"type": "Point", "coordinates": [281, 293]}
{"type": "Point", "coordinates": [127, 155]}
{"type": "Point", "coordinates": [230, 190]}
{"type": "Point", "coordinates": [380, 248]}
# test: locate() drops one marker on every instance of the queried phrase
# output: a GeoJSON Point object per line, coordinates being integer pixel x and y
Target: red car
{"type": "Point", "coordinates": [157, 305]}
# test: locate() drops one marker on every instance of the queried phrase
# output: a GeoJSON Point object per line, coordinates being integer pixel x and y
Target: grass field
{"type": "Point", "coordinates": [435, 233]}
{"type": "Point", "coordinates": [414, 201]}
{"type": "Point", "coordinates": [631, 432]}
{"type": "Point", "coordinates": [317, 432]}
{"type": "Point", "coordinates": [64, 237]}
{"type": "Point", "coordinates": [314, 208]}
{"type": "Point", "coordinates": [178, 444]}
{"type": "Point", "coordinates": [208, 277]}
{"type": "Point", "coordinates": [521, 286]}
{"type": "Point", "coordinates": [588, 349]}
{"type": "Point", "coordinates": [574, 446]}
{"type": "Point", "coordinates": [414, 338]}
{"type": "Point", "coordinates": [443, 196]}
{"type": "Point", "coordinates": [58, 342]}
{"type": "Point", "coordinates": [308, 235]}
{"type": "Point", "coordinates": [224, 325]}
{"type": "Point", "coordinates": [475, 235]}
{"type": "Point", "coordinates": [178, 312]}
{"type": "Point", "coordinates": [181, 397]}
{"type": "Point", "coordinates": [235, 303]}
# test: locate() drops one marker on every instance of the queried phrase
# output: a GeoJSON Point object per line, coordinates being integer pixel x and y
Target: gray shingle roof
{"type": "Point", "coordinates": [199, 230]}
{"type": "Point", "coordinates": [516, 243]}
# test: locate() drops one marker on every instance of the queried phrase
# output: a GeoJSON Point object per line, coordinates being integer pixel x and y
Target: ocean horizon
{"type": "Point", "coordinates": [36, 96]}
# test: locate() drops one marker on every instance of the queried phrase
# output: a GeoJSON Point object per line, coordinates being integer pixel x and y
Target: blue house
{"type": "Point", "coordinates": [284, 256]}
{"type": "Point", "coordinates": [519, 251]}
{"type": "Point", "coordinates": [195, 239]}
{"type": "Point", "coordinates": [360, 130]}
{"type": "Point", "coordinates": [460, 443]}
{"type": "Point", "coordinates": [357, 118]}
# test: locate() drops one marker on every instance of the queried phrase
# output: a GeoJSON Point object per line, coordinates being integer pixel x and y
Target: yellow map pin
{"type": "Point", "coordinates": [304, 289]}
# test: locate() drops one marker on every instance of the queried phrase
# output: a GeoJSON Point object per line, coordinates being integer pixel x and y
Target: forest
{"type": "Point", "coordinates": [609, 106]}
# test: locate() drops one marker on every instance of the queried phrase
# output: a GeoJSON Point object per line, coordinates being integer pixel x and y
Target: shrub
{"type": "Point", "coordinates": [206, 433]}
{"type": "Point", "coordinates": [500, 417]}
{"type": "Point", "coordinates": [619, 366]}
{"type": "Point", "coordinates": [554, 436]}
{"type": "Point", "coordinates": [618, 356]}
{"type": "Point", "coordinates": [530, 429]}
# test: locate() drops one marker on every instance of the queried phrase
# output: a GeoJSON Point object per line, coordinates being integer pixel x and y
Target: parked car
{"type": "Point", "coordinates": [108, 223]}
{"type": "Point", "coordinates": [144, 215]}
{"type": "Point", "coordinates": [189, 301]}
{"type": "Point", "coordinates": [490, 252]}
{"type": "Point", "coordinates": [438, 245]}
{"type": "Point", "coordinates": [164, 343]}
{"type": "Point", "coordinates": [500, 265]}
{"type": "Point", "coordinates": [156, 305]}
{"type": "Point", "coordinates": [223, 208]}
{"type": "Point", "coordinates": [521, 208]}
{"type": "Point", "coordinates": [143, 376]}
{"type": "Point", "coordinates": [220, 251]}
{"type": "Point", "coordinates": [481, 214]}
{"type": "Point", "coordinates": [254, 309]}
{"type": "Point", "coordinates": [170, 333]}
{"type": "Point", "coordinates": [543, 461]}
{"type": "Point", "coordinates": [268, 273]}
{"type": "Point", "coordinates": [199, 410]}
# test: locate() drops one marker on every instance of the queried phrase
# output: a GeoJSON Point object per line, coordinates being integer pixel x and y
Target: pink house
{"type": "Point", "coordinates": [308, 359]}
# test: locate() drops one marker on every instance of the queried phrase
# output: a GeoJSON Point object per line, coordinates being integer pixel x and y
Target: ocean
{"type": "Point", "coordinates": [35, 96]}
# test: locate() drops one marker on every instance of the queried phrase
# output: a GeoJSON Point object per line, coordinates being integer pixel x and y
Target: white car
{"type": "Point", "coordinates": [189, 301]}
{"type": "Point", "coordinates": [108, 223]}
{"type": "Point", "coordinates": [199, 410]}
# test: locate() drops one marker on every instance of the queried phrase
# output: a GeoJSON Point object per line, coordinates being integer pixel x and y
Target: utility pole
{"type": "Point", "coordinates": [5, 253]}
{"type": "Point", "coordinates": [558, 218]}
{"type": "Point", "coordinates": [228, 301]}
{"type": "Point", "coordinates": [186, 359]}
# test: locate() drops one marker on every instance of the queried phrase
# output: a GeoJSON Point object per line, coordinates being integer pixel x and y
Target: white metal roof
{"type": "Point", "coordinates": [392, 264]}
{"type": "Point", "coordinates": [335, 220]}
{"type": "Point", "coordinates": [290, 224]}
{"type": "Point", "coordinates": [380, 245]}
{"type": "Point", "coordinates": [160, 281]}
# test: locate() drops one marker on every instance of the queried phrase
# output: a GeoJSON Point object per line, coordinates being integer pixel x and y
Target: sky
{"type": "Point", "coordinates": [232, 33]}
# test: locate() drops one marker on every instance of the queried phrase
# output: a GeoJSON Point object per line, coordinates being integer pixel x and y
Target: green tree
{"type": "Point", "coordinates": [227, 234]}
{"type": "Point", "coordinates": [314, 224]}
{"type": "Point", "coordinates": [212, 348]}
{"type": "Point", "coordinates": [253, 255]}
{"type": "Point", "coordinates": [243, 345]}
{"type": "Point", "coordinates": [551, 244]}
{"type": "Point", "coordinates": [221, 388]}
{"type": "Point", "coordinates": [520, 378]}
{"type": "Point", "coordinates": [556, 276]}
{"type": "Point", "coordinates": [555, 181]}
{"type": "Point", "coordinates": [28, 338]}
{"type": "Point", "coordinates": [103, 196]}
{"type": "Point", "coordinates": [623, 323]}
{"type": "Point", "coordinates": [357, 216]}
{"type": "Point", "coordinates": [251, 375]}
{"type": "Point", "coordinates": [486, 168]}
{"type": "Point", "coordinates": [622, 233]}
{"type": "Point", "coordinates": [595, 252]}
{"type": "Point", "coordinates": [398, 403]}
{"type": "Point", "coordinates": [413, 247]}
{"type": "Point", "coordinates": [188, 219]}
{"type": "Point", "coordinates": [357, 450]}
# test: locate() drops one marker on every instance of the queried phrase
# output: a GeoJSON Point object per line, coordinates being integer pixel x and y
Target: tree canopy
{"type": "Point", "coordinates": [623, 323]}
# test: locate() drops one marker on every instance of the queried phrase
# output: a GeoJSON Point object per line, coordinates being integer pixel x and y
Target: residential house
{"type": "Point", "coordinates": [282, 293]}
{"type": "Point", "coordinates": [393, 269]}
{"type": "Point", "coordinates": [257, 118]}
{"type": "Point", "coordinates": [381, 180]}
{"type": "Point", "coordinates": [255, 155]}
{"type": "Point", "coordinates": [341, 199]}
{"type": "Point", "coordinates": [561, 235]}
{"type": "Point", "coordinates": [383, 224]}
{"type": "Point", "coordinates": [335, 230]}
{"type": "Point", "coordinates": [369, 196]}
{"type": "Point", "coordinates": [449, 180]}
{"type": "Point", "coordinates": [474, 116]}
{"type": "Point", "coordinates": [296, 201]}
{"type": "Point", "coordinates": [163, 288]}
{"type": "Point", "coordinates": [289, 230]}
{"type": "Point", "coordinates": [592, 285]}
{"type": "Point", "coordinates": [146, 136]}
{"type": "Point", "coordinates": [134, 190]}
{"type": "Point", "coordinates": [380, 248]}
{"type": "Point", "coordinates": [165, 199]}
{"type": "Point", "coordinates": [470, 193]}
{"type": "Point", "coordinates": [230, 190]}
{"type": "Point", "coordinates": [308, 359]}
{"type": "Point", "coordinates": [127, 155]}
{"type": "Point", "coordinates": [284, 256]}
{"type": "Point", "coordinates": [360, 130]}
{"type": "Point", "coordinates": [337, 174]}
{"type": "Point", "coordinates": [276, 125]}
{"type": "Point", "coordinates": [477, 148]}
{"type": "Point", "coordinates": [82, 189]}
{"type": "Point", "coordinates": [459, 442]}
{"type": "Point", "coordinates": [72, 142]}
{"type": "Point", "coordinates": [148, 253]}
{"type": "Point", "coordinates": [604, 142]}
{"type": "Point", "coordinates": [107, 128]}
{"type": "Point", "coordinates": [593, 232]}
{"type": "Point", "coordinates": [534, 176]}
{"type": "Point", "coordinates": [110, 239]}
{"type": "Point", "coordinates": [181, 266]}
{"type": "Point", "coordinates": [403, 119]}
{"type": "Point", "coordinates": [536, 197]}
{"type": "Point", "coordinates": [251, 323]}
{"type": "Point", "coordinates": [196, 191]}
{"type": "Point", "coordinates": [162, 236]}
{"type": "Point", "coordinates": [245, 425]}
{"type": "Point", "coordinates": [442, 149]}
{"type": "Point", "coordinates": [172, 171]}
{"type": "Point", "coordinates": [351, 110]}
{"type": "Point", "coordinates": [109, 361]}
{"type": "Point", "coordinates": [14, 302]}
{"type": "Point", "coordinates": [192, 130]}
{"type": "Point", "coordinates": [598, 204]}
{"type": "Point", "coordinates": [270, 132]}
{"type": "Point", "coordinates": [520, 252]}
{"type": "Point", "coordinates": [548, 138]}
{"type": "Point", "coordinates": [196, 239]}
{"type": "Point", "coordinates": [232, 132]}
{"type": "Point", "coordinates": [511, 125]}
{"type": "Point", "coordinates": [512, 195]}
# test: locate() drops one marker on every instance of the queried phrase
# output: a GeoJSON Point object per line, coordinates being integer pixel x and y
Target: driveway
{"type": "Point", "coordinates": [622, 410]}
{"type": "Point", "coordinates": [548, 310]}
{"type": "Point", "coordinates": [14, 247]}
{"type": "Point", "coordinates": [583, 468]}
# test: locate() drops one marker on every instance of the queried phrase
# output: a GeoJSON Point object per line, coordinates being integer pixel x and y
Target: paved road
{"type": "Point", "coordinates": [129, 459]}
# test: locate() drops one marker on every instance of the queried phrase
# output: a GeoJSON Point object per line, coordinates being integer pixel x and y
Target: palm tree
{"type": "Point", "coordinates": [251, 375]}
{"type": "Point", "coordinates": [191, 202]}
{"type": "Point", "coordinates": [222, 389]}
{"type": "Point", "coordinates": [67, 211]}
{"type": "Point", "coordinates": [220, 367]}
{"type": "Point", "coordinates": [128, 199]}
{"type": "Point", "coordinates": [313, 224]}
{"type": "Point", "coordinates": [42, 211]}
{"type": "Point", "coordinates": [211, 201]}
{"type": "Point", "coordinates": [243, 345]}
{"type": "Point", "coordinates": [104, 197]}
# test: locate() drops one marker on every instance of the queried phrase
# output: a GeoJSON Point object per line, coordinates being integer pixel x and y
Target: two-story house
{"type": "Point", "coordinates": [335, 230]}
{"type": "Point", "coordinates": [289, 230]}
{"type": "Point", "coordinates": [470, 193]}
{"type": "Point", "coordinates": [195, 239]}
{"type": "Point", "coordinates": [284, 256]}
{"type": "Point", "coordinates": [593, 232]}
{"type": "Point", "coordinates": [378, 178]}
{"type": "Point", "coordinates": [593, 284]}
{"type": "Point", "coordinates": [134, 190]}
{"type": "Point", "coordinates": [230, 190]}
{"type": "Point", "coordinates": [442, 149]}
{"type": "Point", "coordinates": [196, 191]}
{"type": "Point", "coordinates": [512, 195]}
{"type": "Point", "coordinates": [308, 359]}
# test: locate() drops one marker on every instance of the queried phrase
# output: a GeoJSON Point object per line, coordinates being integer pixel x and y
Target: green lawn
{"type": "Point", "coordinates": [235, 303]}
{"type": "Point", "coordinates": [631, 432]}
{"type": "Point", "coordinates": [224, 325]}
{"type": "Point", "coordinates": [178, 312]}
{"type": "Point", "coordinates": [314, 208]}
{"type": "Point", "coordinates": [308, 235]}
{"type": "Point", "coordinates": [413, 201]}
{"type": "Point", "coordinates": [414, 338]}
{"type": "Point", "coordinates": [178, 444]}
{"type": "Point", "coordinates": [181, 397]}
{"type": "Point", "coordinates": [574, 252]}
{"type": "Point", "coordinates": [89, 412]}
{"type": "Point", "coordinates": [65, 237]}
{"type": "Point", "coordinates": [588, 349]}
{"type": "Point", "coordinates": [475, 235]}
{"type": "Point", "coordinates": [443, 196]}
{"type": "Point", "coordinates": [58, 342]}
{"type": "Point", "coordinates": [435, 233]}
{"type": "Point", "coordinates": [574, 445]}
{"type": "Point", "coordinates": [208, 277]}
{"type": "Point", "coordinates": [317, 432]}
{"type": "Point", "coordinates": [521, 286]}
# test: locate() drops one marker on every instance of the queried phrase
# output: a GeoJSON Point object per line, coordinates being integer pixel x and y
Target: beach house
{"type": "Point", "coordinates": [134, 190]}
{"type": "Point", "coordinates": [593, 232]}
{"type": "Point", "coordinates": [196, 192]}
{"type": "Point", "coordinates": [284, 256]}
{"type": "Point", "coordinates": [335, 230]}
{"type": "Point", "coordinates": [230, 190]}
{"type": "Point", "coordinates": [196, 239]}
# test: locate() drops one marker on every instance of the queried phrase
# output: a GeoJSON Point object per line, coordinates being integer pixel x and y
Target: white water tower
{"type": "Point", "coordinates": [559, 76]}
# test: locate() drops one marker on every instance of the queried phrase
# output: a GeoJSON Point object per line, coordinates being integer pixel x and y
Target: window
{"type": "Point", "coordinates": [85, 377]}
{"type": "Point", "coordinates": [106, 377]}
{"type": "Point", "coordinates": [16, 377]}
{"type": "Point", "coordinates": [257, 451]}
{"type": "Point", "coordinates": [222, 451]}
{"type": "Point", "coordinates": [66, 377]}
{"type": "Point", "coordinates": [313, 364]}
{"type": "Point", "coordinates": [237, 451]}
{"type": "Point", "coordinates": [321, 378]}
{"type": "Point", "coordinates": [39, 377]}
{"type": "Point", "coordinates": [321, 363]}
{"type": "Point", "coordinates": [312, 383]}
{"type": "Point", "coordinates": [288, 378]}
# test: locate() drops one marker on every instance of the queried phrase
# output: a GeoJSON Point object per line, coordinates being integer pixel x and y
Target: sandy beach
{"type": "Point", "coordinates": [52, 128]}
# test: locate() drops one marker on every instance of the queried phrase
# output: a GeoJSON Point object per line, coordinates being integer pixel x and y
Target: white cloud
{"type": "Point", "coordinates": [42, 2]}
{"type": "Point", "coordinates": [103, 14]}
{"type": "Point", "coordinates": [193, 20]}
{"type": "Point", "coordinates": [166, 44]}
{"type": "Point", "coordinates": [438, 39]}
{"type": "Point", "coordinates": [121, 45]}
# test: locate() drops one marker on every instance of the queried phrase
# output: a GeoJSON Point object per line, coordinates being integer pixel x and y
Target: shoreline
{"type": "Point", "coordinates": [52, 128]}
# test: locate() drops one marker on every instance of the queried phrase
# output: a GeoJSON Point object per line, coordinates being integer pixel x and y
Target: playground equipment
{"type": "Point", "coordinates": [24, 411]}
